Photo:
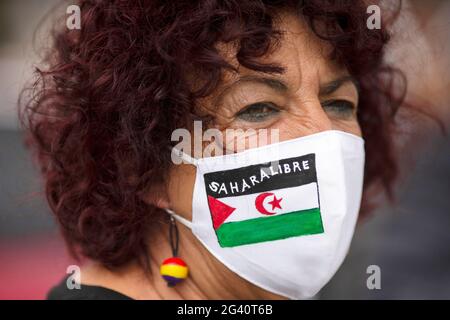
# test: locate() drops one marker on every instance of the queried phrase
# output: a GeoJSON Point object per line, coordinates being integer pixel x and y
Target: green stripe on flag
{"type": "Point", "coordinates": [292, 224]}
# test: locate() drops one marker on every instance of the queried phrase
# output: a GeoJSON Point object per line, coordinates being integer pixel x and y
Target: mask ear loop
{"type": "Point", "coordinates": [180, 219]}
{"type": "Point", "coordinates": [193, 161]}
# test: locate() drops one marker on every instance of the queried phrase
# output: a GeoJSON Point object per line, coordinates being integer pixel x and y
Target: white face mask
{"type": "Point", "coordinates": [285, 226]}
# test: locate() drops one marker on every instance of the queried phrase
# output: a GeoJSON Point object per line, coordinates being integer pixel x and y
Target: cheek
{"type": "Point", "coordinates": [296, 124]}
{"type": "Point", "coordinates": [180, 189]}
{"type": "Point", "coordinates": [350, 126]}
{"type": "Point", "coordinates": [305, 121]}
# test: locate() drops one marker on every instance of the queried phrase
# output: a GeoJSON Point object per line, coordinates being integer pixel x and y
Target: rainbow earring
{"type": "Point", "coordinates": [173, 270]}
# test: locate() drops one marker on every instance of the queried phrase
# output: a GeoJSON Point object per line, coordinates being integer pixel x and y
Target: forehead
{"type": "Point", "coordinates": [304, 56]}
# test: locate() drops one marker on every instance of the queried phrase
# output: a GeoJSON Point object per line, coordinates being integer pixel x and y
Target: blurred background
{"type": "Point", "coordinates": [408, 240]}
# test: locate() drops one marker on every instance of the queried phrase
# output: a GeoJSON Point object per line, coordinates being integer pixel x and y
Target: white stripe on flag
{"type": "Point", "coordinates": [293, 199]}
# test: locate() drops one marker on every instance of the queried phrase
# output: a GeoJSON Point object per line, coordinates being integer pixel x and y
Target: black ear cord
{"type": "Point", "coordinates": [173, 236]}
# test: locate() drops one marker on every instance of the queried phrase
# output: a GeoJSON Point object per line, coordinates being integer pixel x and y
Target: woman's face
{"type": "Point", "coordinates": [312, 95]}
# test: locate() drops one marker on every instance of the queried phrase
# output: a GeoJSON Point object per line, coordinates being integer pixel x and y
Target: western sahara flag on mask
{"type": "Point", "coordinates": [265, 202]}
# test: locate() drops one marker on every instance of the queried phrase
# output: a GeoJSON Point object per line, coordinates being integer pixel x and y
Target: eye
{"type": "Point", "coordinates": [257, 112]}
{"type": "Point", "coordinates": [340, 107]}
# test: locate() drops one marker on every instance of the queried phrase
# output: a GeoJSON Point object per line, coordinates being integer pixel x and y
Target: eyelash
{"type": "Point", "coordinates": [258, 112]}
{"type": "Point", "coordinates": [251, 114]}
{"type": "Point", "coordinates": [342, 107]}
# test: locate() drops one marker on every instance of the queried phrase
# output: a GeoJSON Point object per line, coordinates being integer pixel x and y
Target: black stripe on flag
{"type": "Point", "coordinates": [267, 176]}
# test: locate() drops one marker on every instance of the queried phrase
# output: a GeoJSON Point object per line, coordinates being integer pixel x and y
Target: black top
{"type": "Point", "coordinates": [61, 292]}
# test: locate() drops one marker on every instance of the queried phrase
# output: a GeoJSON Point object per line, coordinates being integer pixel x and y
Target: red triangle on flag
{"type": "Point", "coordinates": [219, 210]}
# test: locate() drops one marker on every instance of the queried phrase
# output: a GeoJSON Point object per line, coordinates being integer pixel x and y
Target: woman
{"type": "Point", "coordinates": [101, 117]}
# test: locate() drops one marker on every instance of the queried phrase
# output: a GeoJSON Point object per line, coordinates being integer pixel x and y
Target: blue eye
{"type": "Point", "coordinates": [340, 107]}
{"type": "Point", "coordinates": [257, 112]}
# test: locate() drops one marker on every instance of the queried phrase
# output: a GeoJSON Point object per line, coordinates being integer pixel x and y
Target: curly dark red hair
{"type": "Point", "coordinates": [101, 112]}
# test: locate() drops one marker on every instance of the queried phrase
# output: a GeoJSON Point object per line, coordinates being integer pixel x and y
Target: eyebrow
{"type": "Point", "coordinates": [332, 86]}
{"type": "Point", "coordinates": [281, 86]}
{"type": "Point", "coordinates": [276, 84]}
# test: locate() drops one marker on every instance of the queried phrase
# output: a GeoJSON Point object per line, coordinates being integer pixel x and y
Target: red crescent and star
{"type": "Point", "coordinates": [259, 203]}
